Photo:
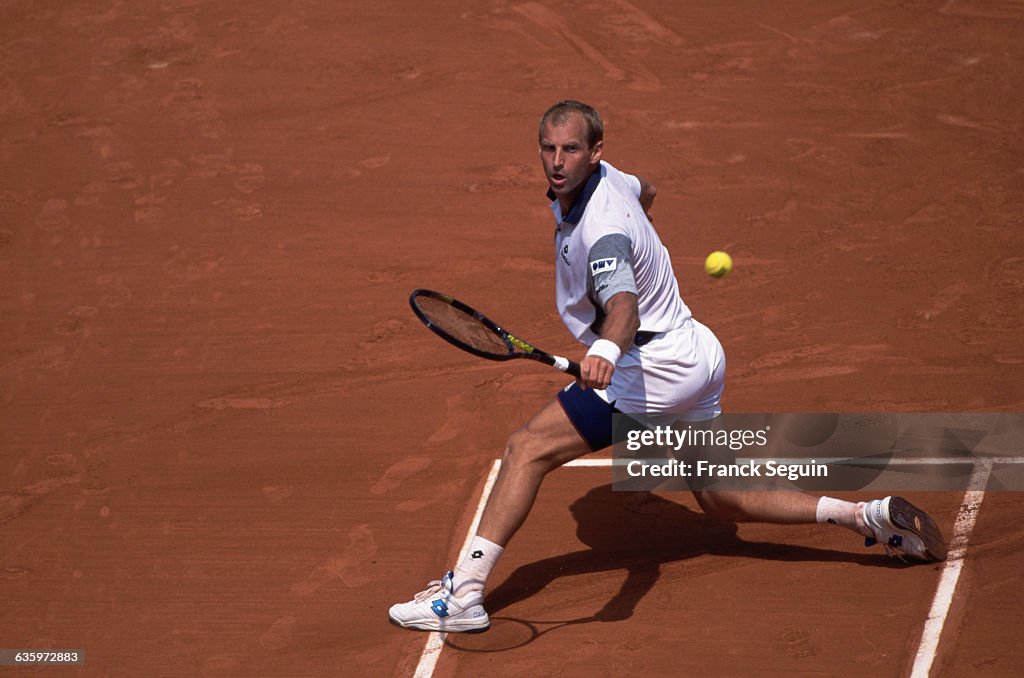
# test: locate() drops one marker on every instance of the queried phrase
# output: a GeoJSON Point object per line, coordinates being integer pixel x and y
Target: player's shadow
{"type": "Point", "coordinates": [638, 532]}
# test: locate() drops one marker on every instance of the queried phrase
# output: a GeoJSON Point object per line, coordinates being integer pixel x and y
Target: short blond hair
{"type": "Point", "coordinates": [559, 113]}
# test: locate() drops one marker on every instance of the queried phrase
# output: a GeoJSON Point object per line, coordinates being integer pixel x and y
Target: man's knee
{"type": "Point", "coordinates": [525, 448]}
{"type": "Point", "coordinates": [724, 505]}
{"type": "Point", "coordinates": [518, 448]}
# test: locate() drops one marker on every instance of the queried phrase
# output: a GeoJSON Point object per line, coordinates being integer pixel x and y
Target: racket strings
{"type": "Point", "coordinates": [461, 326]}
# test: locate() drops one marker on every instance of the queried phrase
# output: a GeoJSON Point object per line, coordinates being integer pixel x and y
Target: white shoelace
{"type": "Point", "coordinates": [433, 588]}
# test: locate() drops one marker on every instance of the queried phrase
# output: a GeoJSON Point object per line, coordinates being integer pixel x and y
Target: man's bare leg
{"type": "Point", "coordinates": [901, 527]}
{"type": "Point", "coordinates": [545, 443]}
{"type": "Point", "coordinates": [455, 603]}
{"type": "Point", "coordinates": [760, 506]}
{"type": "Point", "coordinates": [783, 507]}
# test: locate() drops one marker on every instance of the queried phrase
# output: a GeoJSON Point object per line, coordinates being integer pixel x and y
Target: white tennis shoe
{"type": "Point", "coordinates": [903, 529]}
{"type": "Point", "coordinates": [437, 609]}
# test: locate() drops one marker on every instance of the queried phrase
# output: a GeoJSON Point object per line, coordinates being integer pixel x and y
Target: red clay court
{"type": "Point", "coordinates": [227, 446]}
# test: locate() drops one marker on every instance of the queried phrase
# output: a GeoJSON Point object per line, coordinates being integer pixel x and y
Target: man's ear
{"type": "Point", "coordinates": [596, 151]}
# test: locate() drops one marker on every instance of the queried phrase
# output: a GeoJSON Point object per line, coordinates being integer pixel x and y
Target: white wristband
{"type": "Point", "coordinates": [607, 349]}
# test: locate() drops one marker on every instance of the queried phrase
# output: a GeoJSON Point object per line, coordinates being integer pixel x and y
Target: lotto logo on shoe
{"type": "Point", "coordinates": [439, 608]}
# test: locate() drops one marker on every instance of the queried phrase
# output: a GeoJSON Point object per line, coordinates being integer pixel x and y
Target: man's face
{"type": "Point", "coordinates": [568, 160]}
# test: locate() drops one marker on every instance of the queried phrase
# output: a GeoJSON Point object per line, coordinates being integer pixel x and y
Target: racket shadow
{"type": "Point", "coordinates": [637, 532]}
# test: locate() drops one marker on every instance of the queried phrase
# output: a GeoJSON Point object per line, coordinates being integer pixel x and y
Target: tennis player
{"type": "Point", "coordinates": [617, 294]}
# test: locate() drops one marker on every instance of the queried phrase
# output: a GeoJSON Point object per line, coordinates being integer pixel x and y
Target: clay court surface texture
{"type": "Point", "coordinates": [228, 445]}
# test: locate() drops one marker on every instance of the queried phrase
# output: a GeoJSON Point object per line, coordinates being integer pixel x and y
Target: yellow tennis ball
{"type": "Point", "coordinates": [718, 264]}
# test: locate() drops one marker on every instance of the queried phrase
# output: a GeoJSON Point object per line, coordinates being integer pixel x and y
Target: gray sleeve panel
{"type": "Point", "coordinates": [611, 268]}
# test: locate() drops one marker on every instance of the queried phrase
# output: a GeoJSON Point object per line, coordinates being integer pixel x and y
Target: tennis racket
{"type": "Point", "coordinates": [472, 331]}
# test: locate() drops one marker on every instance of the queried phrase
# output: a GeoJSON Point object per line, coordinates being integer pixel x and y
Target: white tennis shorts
{"type": "Point", "coordinates": [679, 373]}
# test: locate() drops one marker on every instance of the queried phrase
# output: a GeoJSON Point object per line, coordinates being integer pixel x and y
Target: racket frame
{"type": "Point", "coordinates": [517, 348]}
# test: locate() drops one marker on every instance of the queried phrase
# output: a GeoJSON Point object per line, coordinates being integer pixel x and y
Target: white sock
{"type": "Point", "coordinates": [472, 571]}
{"type": "Point", "coordinates": [843, 513]}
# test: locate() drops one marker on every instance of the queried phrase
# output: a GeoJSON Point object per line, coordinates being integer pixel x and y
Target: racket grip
{"type": "Point", "coordinates": [567, 365]}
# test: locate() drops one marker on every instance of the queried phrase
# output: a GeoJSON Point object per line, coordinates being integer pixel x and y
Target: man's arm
{"type": "Point", "coordinates": [620, 325]}
{"type": "Point", "coordinates": [647, 194]}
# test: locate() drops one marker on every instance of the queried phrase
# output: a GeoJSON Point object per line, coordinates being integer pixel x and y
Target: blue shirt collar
{"type": "Point", "coordinates": [580, 203]}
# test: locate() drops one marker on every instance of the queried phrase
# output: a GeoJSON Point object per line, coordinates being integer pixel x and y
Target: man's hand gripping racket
{"type": "Point", "coordinates": [472, 331]}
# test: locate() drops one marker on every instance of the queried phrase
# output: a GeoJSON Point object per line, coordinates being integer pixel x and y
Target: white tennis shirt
{"type": "Point", "coordinates": [605, 245]}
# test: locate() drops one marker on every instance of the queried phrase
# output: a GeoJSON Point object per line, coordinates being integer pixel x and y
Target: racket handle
{"type": "Point", "coordinates": [567, 365]}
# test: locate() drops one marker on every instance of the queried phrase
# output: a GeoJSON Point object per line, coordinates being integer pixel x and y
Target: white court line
{"type": "Point", "coordinates": [435, 641]}
{"type": "Point", "coordinates": [593, 462]}
{"type": "Point", "coordinates": [962, 529]}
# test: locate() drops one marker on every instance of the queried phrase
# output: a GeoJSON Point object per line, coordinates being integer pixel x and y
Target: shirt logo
{"type": "Point", "coordinates": [565, 253]}
{"type": "Point", "coordinates": [602, 266]}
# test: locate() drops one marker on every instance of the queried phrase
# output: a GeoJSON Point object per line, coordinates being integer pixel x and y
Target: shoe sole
{"type": "Point", "coordinates": [426, 627]}
{"type": "Point", "coordinates": [906, 516]}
